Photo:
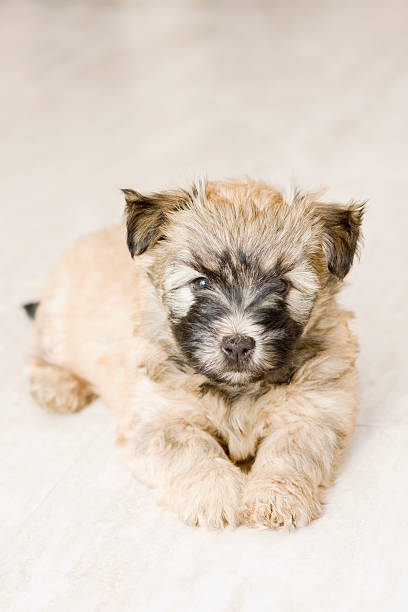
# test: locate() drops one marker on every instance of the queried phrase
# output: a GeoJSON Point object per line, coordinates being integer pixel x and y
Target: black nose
{"type": "Point", "coordinates": [237, 348]}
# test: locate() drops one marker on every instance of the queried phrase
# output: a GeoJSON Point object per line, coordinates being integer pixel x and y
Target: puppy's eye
{"type": "Point", "coordinates": [200, 283]}
{"type": "Point", "coordinates": [280, 285]}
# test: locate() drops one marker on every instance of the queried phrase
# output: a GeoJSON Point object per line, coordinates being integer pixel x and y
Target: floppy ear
{"type": "Point", "coordinates": [341, 234]}
{"type": "Point", "coordinates": [146, 216]}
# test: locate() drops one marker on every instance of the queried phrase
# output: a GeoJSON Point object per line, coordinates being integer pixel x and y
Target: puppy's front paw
{"type": "Point", "coordinates": [212, 499]}
{"type": "Point", "coordinates": [279, 503]}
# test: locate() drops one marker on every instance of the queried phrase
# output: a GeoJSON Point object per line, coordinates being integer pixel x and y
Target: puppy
{"type": "Point", "coordinates": [219, 343]}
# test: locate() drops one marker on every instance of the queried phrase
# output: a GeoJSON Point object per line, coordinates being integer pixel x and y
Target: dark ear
{"type": "Point", "coordinates": [146, 216]}
{"type": "Point", "coordinates": [341, 235]}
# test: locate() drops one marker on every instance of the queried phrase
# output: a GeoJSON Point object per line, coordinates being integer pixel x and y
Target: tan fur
{"type": "Point", "coordinates": [103, 319]}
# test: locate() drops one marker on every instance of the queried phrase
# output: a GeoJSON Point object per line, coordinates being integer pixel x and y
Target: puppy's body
{"type": "Point", "coordinates": [145, 335]}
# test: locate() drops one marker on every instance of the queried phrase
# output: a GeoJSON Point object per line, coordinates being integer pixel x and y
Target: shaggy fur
{"type": "Point", "coordinates": [220, 345]}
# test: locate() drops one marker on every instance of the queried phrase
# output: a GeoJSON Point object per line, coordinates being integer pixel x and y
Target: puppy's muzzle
{"type": "Point", "coordinates": [237, 349]}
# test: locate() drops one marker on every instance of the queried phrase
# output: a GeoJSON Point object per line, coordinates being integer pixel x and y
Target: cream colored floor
{"type": "Point", "coordinates": [107, 94]}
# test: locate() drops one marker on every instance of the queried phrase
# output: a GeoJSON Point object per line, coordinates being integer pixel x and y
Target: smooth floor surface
{"type": "Point", "coordinates": [108, 94]}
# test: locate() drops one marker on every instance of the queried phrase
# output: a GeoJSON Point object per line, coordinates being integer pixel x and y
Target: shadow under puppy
{"type": "Point", "coordinates": [220, 344]}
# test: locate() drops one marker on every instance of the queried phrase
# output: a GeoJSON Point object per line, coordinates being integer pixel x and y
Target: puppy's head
{"type": "Point", "coordinates": [239, 270]}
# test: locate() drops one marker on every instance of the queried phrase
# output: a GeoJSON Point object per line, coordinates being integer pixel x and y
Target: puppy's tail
{"type": "Point", "coordinates": [31, 308]}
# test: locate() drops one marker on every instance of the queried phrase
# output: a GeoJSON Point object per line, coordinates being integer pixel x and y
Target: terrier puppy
{"type": "Point", "coordinates": [220, 345]}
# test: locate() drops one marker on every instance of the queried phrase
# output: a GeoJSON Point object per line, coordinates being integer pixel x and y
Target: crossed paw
{"type": "Point", "coordinates": [279, 503]}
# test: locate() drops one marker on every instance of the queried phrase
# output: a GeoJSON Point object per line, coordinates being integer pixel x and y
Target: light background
{"type": "Point", "coordinates": [108, 94]}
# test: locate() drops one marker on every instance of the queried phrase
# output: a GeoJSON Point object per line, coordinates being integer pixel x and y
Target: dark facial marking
{"type": "Point", "coordinates": [192, 330]}
{"type": "Point", "coordinates": [306, 347]}
{"type": "Point", "coordinates": [225, 277]}
{"type": "Point", "coordinates": [278, 319]}
{"type": "Point", "coordinates": [229, 277]}
{"type": "Point", "coordinates": [231, 274]}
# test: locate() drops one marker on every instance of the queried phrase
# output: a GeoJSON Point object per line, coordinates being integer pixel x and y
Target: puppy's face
{"type": "Point", "coordinates": [239, 270]}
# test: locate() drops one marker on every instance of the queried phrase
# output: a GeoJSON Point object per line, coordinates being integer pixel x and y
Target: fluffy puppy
{"type": "Point", "coordinates": [219, 343]}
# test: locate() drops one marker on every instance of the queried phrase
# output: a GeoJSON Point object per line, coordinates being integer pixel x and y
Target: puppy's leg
{"type": "Point", "coordinates": [188, 469]}
{"type": "Point", "coordinates": [293, 466]}
{"type": "Point", "coordinates": [57, 389]}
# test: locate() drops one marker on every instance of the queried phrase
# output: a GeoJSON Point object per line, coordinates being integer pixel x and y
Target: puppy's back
{"type": "Point", "coordinates": [89, 303]}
